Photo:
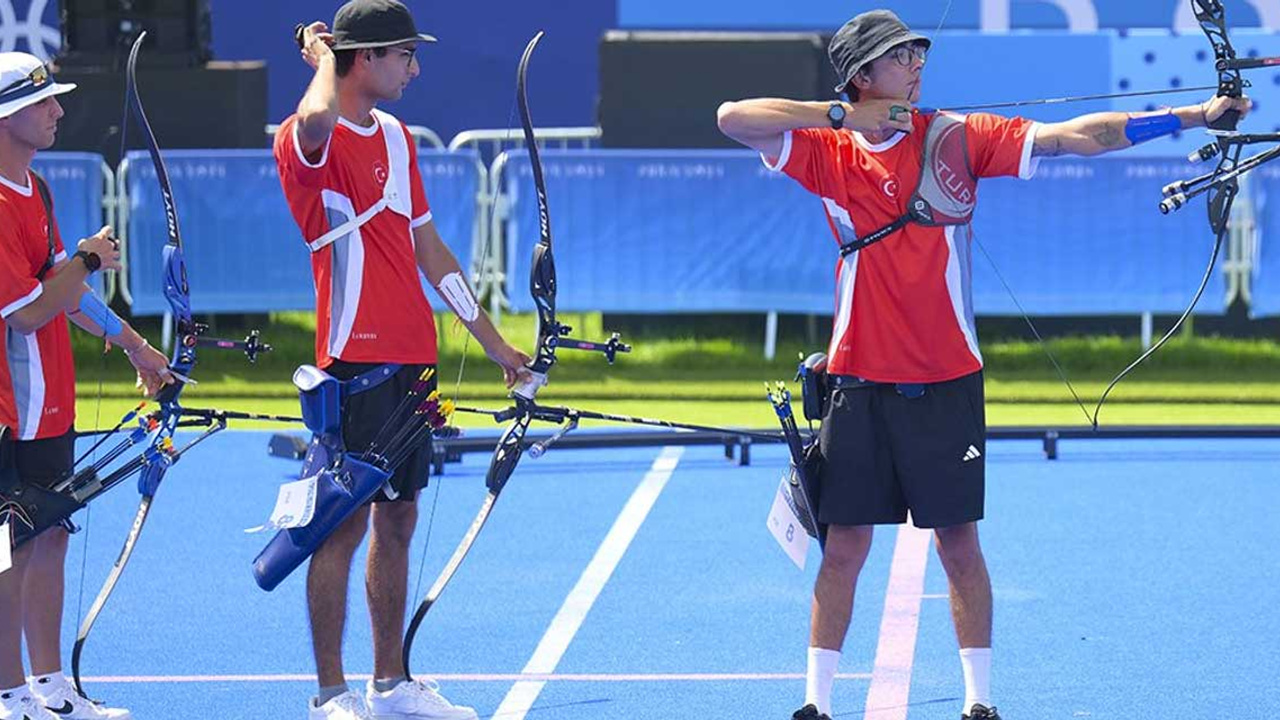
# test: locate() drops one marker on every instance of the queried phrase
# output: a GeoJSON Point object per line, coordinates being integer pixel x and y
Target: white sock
{"type": "Point", "coordinates": [977, 676]}
{"type": "Point", "coordinates": [819, 677]}
{"type": "Point", "coordinates": [9, 697]}
{"type": "Point", "coordinates": [45, 684]}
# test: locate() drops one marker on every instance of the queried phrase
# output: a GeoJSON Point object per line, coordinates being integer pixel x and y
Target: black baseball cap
{"type": "Point", "coordinates": [374, 23]}
{"type": "Point", "coordinates": [865, 38]}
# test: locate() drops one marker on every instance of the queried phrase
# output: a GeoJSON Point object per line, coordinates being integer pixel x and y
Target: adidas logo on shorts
{"type": "Point", "coordinates": [972, 454]}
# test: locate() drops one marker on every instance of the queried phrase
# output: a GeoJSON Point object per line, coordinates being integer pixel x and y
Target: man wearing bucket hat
{"type": "Point", "coordinates": [41, 287]}
{"type": "Point", "coordinates": [903, 433]}
{"type": "Point", "coordinates": [351, 177]}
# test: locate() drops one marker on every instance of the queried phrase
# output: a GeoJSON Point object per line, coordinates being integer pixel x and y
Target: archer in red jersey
{"type": "Point", "coordinates": [41, 288]}
{"type": "Point", "coordinates": [350, 175]}
{"type": "Point", "coordinates": [904, 430]}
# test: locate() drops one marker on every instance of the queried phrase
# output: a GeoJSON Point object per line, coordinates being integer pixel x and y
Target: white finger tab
{"type": "Point", "coordinates": [455, 291]}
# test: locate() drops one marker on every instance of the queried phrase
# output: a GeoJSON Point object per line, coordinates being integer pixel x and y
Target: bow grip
{"type": "Point", "coordinates": [1227, 121]}
{"type": "Point", "coordinates": [529, 389]}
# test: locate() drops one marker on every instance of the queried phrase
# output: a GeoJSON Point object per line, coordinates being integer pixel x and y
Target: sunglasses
{"type": "Point", "coordinates": [406, 53]}
{"type": "Point", "coordinates": [36, 77]}
{"type": "Point", "coordinates": [905, 55]}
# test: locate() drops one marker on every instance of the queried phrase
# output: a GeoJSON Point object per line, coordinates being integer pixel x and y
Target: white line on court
{"type": "Point", "coordinates": [564, 626]}
{"type": "Point", "coordinates": [473, 677]}
{"type": "Point", "coordinates": [891, 676]}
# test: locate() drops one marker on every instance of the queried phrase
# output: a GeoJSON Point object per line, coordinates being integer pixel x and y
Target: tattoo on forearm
{"type": "Point", "coordinates": [1047, 147]}
{"type": "Point", "coordinates": [1110, 136]}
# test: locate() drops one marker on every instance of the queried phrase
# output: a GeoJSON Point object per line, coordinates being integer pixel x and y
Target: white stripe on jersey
{"type": "Point", "coordinates": [959, 287]}
{"type": "Point", "coordinates": [29, 416]}
{"type": "Point", "coordinates": [844, 300]}
{"type": "Point", "coordinates": [347, 268]}
{"type": "Point", "coordinates": [848, 274]}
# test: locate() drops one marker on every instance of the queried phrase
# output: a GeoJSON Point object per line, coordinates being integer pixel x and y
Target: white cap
{"type": "Point", "coordinates": [25, 81]}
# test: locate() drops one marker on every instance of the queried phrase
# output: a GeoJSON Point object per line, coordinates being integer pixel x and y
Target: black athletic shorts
{"type": "Point", "coordinates": [47, 461]}
{"type": "Point", "coordinates": [364, 414]}
{"type": "Point", "coordinates": [886, 453]}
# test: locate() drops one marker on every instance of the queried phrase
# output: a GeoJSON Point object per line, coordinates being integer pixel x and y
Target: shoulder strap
{"type": "Point", "coordinates": [43, 188]}
{"type": "Point", "coordinates": [935, 202]}
{"type": "Point", "coordinates": [395, 193]}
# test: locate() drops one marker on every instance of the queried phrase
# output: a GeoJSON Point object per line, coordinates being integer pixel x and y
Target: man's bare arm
{"type": "Point", "coordinates": [1100, 133]}
{"type": "Point", "coordinates": [318, 108]}
{"type": "Point", "coordinates": [438, 263]}
{"type": "Point", "coordinates": [64, 284]}
{"type": "Point", "coordinates": [761, 123]}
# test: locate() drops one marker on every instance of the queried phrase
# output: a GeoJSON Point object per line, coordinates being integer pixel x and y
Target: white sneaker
{"type": "Point", "coordinates": [347, 706]}
{"type": "Point", "coordinates": [22, 705]}
{"type": "Point", "coordinates": [415, 700]}
{"type": "Point", "coordinates": [63, 701]}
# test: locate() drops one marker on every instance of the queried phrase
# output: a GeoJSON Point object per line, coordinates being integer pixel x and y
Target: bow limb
{"type": "Point", "coordinates": [501, 466]}
{"type": "Point", "coordinates": [542, 273]}
{"type": "Point", "coordinates": [122, 560]}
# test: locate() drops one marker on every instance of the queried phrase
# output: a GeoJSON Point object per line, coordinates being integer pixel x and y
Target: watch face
{"type": "Point", "coordinates": [836, 112]}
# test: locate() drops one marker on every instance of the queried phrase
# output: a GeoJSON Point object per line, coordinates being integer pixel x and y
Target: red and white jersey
{"type": "Point", "coordinates": [37, 376]}
{"type": "Point", "coordinates": [904, 306]}
{"type": "Point", "coordinates": [357, 204]}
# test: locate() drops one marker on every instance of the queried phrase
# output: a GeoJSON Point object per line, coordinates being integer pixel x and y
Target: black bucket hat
{"type": "Point", "coordinates": [865, 38]}
{"type": "Point", "coordinates": [374, 23]}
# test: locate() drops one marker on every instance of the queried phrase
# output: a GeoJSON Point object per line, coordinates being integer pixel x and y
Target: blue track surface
{"type": "Point", "coordinates": [1133, 580]}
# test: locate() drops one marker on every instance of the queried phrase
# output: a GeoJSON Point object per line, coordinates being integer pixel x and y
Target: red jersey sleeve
{"type": "Point", "coordinates": [18, 285]}
{"type": "Point", "coordinates": [810, 156]}
{"type": "Point", "coordinates": [292, 163]}
{"type": "Point", "coordinates": [421, 208]}
{"type": "Point", "coordinates": [1000, 146]}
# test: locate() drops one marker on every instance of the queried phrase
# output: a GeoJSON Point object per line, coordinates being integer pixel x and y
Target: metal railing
{"type": "Point", "coordinates": [493, 142]}
{"type": "Point", "coordinates": [489, 266]}
{"type": "Point", "coordinates": [112, 281]}
{"type": "Point", "coordinates": [1242, 245]}
{"type": "Point", "coordinates": [488, 257]}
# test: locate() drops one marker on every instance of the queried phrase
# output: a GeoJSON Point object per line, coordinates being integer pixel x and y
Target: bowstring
{"type": "Point", "coordinates": [97, 412]}
{"type": "Point", "coordinates": [457, 393]}
{"type": "Point", "coordinates": [1062, 375]}
{"type": "Point", "coordinates": [943, 20]}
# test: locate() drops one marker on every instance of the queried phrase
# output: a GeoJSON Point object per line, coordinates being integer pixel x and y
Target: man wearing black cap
{"type": "Point", "coordinates": [350, 174]}
{"type": "Point", "coordinates": [904, 429]}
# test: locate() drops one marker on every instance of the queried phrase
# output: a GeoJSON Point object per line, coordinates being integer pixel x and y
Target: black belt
{"type": "Point", "coordinates": [911, 391]}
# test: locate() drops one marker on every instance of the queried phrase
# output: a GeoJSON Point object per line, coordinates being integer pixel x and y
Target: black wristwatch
{"type": "Point", "coordinates": [836, 114]}
{"type": "Point", "coordinates": [91, 260]}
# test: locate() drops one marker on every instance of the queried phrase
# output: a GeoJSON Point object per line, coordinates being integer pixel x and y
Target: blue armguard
{"type": "Point", "coordinates": [96, 310]}
{"type": "Point", "coordinates": [1141, 129]}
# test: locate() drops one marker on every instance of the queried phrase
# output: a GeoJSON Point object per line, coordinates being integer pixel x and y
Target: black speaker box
{"type": "Point", "coordinates": [99, 33]}
{"type": "Point", "coordinates": [661, 89]}
{"type": "Point", "coordinates": [220, 105]}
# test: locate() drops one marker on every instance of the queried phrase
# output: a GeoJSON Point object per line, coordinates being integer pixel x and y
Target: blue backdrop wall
{"type": "Point", "coordinates": [1081, 15]}
{"type": "Point", "coordinates": [468, 78]}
